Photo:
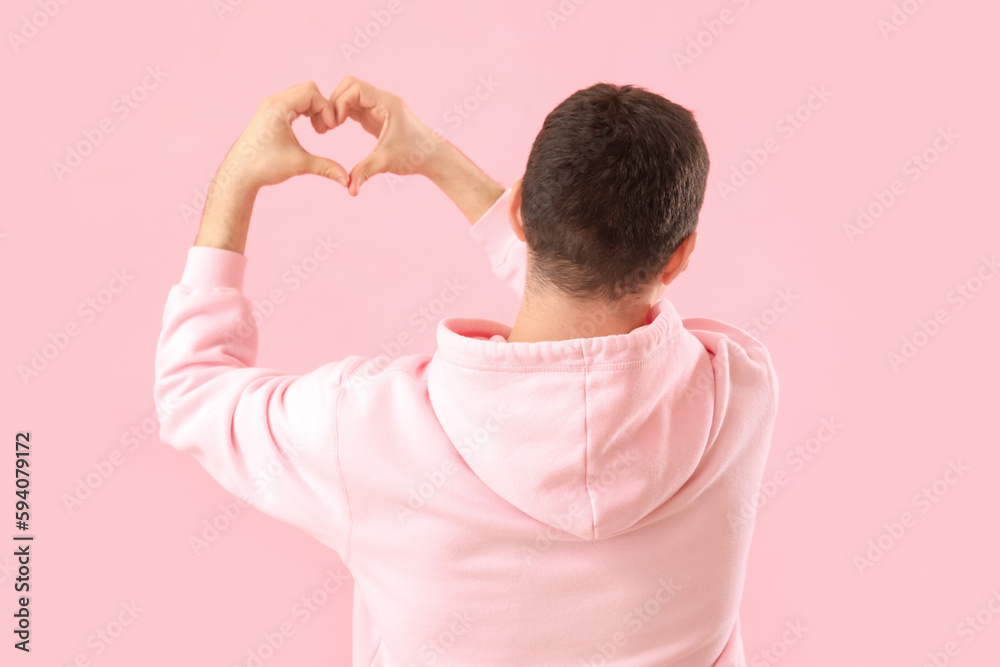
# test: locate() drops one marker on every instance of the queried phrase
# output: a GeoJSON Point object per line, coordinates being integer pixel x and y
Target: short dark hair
{"type": "Point", "coordinates": [613, 185]}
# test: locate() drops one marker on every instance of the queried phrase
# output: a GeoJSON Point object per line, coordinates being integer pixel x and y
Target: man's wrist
{"type": "Point", "coordinates": [225, 220]}
{"type": "Point", "coordinates": [440, 160]}
{"type": "Point", "coordinates": [468, 186]}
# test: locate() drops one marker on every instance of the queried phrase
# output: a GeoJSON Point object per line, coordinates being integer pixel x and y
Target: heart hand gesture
{"type": "Point", "coordinates": [405, 144]}
{"type": "Point", "coordinates": [267, 153]}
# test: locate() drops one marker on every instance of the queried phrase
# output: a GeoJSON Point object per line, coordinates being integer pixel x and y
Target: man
{"type": "Point", "coordinates": [575, 489]}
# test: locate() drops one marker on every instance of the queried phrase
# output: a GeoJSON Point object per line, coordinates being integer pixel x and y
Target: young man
{"type": "Point", "coordinates": [575, 489]}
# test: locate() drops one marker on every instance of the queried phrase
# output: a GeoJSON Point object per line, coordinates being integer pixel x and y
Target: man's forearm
{"type": "Point", "coordinates": [465, 184]}
{"type": "Point", "coordinates": [225, 221]}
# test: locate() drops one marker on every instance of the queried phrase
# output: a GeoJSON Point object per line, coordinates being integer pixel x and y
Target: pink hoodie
{"type": "Point", "coordinates": [582, 502]}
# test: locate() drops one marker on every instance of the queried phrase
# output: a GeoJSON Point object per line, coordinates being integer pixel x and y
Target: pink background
{"type": "Point", "coordinates": [782, 232]}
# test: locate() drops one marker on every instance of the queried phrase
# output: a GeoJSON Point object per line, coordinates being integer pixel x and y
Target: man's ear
{"type": "Point", "coordinates": [679, 260]}
{"type": "Point", "coordinates": [514, 209]}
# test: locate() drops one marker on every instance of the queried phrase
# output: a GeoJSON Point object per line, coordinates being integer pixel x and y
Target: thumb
{"type": "Point", "coordinates": [375, 163]}
{"type": "Point", "coordinates": [326, 168]}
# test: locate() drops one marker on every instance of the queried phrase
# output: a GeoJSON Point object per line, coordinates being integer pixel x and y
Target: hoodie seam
{"type": "Point", "coordinates": [378, 647]}
{"type": "Point", "coordinates": [771, 378]}
{"type": "Point", "coordinates": [506, 256]}
{"type": "Point", "coordinates": [340, 469]}
{"type": "Point", "coordinates": [604, 365]}
{"type": "Point", "coordinates": [340, 474]}
{"type": "Point", "coordinates": [586, 447]}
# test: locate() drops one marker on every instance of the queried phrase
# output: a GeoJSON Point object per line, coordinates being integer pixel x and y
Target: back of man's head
{"type": "Point", "coordinates": [614, 184]}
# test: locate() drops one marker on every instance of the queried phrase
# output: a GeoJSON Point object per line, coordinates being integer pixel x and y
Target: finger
{"type": "Point", "coordinates": [344, 84]}
{"type": "Point", "coordinates": [324, 167]}
{"type": "Point", "coordinates": [320, 123]}
{"type": "Point", "coordinates": [375, 163]}
{"type": "Point", "coordinates": [329, 118]}
{"type": "Point", "coordinates": [324, 121]}
{"type": "Point", "coordinates": [357, 96]}
{"type": "Point", "coordinates": [306, 99]}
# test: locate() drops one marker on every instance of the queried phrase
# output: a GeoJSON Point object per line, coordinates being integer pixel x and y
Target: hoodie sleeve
{"type": "Point", "coordinates": [266, 437]}
{"type": "Point", "coordinates": [507, 253]}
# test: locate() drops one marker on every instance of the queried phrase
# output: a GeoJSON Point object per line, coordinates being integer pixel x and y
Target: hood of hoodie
{"type": "Point", "coordinates": [588, 435]}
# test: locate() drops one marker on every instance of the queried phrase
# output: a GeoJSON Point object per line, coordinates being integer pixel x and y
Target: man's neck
{"type": "Point", "coordinates": [552, 320]}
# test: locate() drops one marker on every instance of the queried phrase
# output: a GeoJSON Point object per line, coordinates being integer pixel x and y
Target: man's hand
{"type": "Point", "coordinates": [407, 146]}
{"type": "Point", "coordinates": [267, 153]}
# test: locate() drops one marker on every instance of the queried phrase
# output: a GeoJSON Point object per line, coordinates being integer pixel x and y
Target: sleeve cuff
{"type": "Point", "coordinates": [492, 231]}
{"type": "Point", "coordinates": [208, 266]}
